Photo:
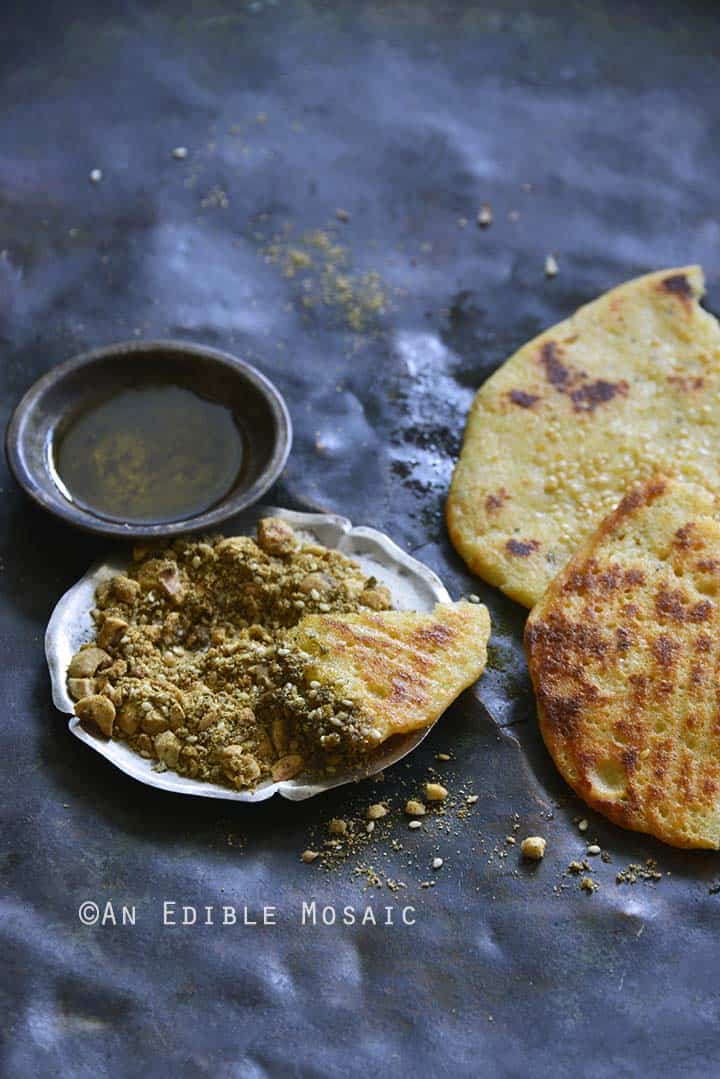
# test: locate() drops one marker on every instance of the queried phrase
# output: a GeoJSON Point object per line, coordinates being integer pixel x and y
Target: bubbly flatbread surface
{"type": "Point", "coordinates": [624, 653]}
{"type": "Point", "coordinates": [629, 385]}
{"type": "Point", "coordinates": [401, 668]}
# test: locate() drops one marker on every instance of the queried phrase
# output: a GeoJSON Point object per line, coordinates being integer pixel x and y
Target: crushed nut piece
{"type": "Point", "coordinates": [533, 847]}
{"type": "Point", "coordinates": [435, 792]}
{"type": "Point", "coordinates": [308, 856]}
{"type": "Point", "coordinates": [376, 811]}
{"type": "Point", "coordinates": [413, 808]}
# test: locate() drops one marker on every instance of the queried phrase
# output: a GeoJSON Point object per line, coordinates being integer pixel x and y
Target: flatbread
{"type": "Point", "coordinates": [624, 653]}
{"type": "Point", "coordinates": [628, 386]}
{"type": "Point", "coordinates": [402, 669]}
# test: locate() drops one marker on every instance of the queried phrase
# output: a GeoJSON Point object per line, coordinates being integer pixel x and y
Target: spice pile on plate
{"type": "Point", "coordinates": [241, 663]}
{"type": "Point", "coordinates": [189, 650]}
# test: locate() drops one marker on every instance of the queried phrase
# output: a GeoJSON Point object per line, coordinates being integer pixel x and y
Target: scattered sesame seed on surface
{"type": "Point", "coordinates": [96, 176]}
{"type": "Point", "coordinates": [485, 216]}
{"type": "Point", "coordinates": [551, 267]}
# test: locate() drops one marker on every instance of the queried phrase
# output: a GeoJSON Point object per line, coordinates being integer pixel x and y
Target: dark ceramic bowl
{"type": "Point", "coordinates": [66, 390]}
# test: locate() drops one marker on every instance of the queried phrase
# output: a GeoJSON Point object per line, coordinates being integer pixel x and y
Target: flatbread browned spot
{"type": "Point", "coordinates": [626, 387]}
{"type": "Point", "coordinates": [624, 653]}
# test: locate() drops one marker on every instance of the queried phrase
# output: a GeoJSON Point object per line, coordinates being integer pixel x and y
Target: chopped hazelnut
{"type": "Point", "coordinates": [533, 847]}
{"type": "Point", "coordinates": [337, 826]}
{"type": "Point", "coordinates": [276, 537]}
{"type": "Point", "coordinates": [376, 811]}
{"type": "Point", "coordinates": [435, 792]}
{"type": "Point", "coordinates": [308, 856]}
{"type": "Point", "coordinates": [413, 808]}
{"type": "Point", "coordinates": [98, 710]}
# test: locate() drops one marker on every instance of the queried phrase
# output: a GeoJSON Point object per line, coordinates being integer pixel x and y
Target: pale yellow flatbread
{"type": "Point", "coordinates": [624, 653]}
{"type": "Point", "coordinates": [402, 669]}
{"type": "Point", "coordinates": [629, 385]}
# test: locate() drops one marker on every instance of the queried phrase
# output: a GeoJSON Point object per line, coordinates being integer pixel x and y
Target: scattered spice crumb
{"type": "Point", "coordinates": [589, 885]}
{"type": "Point", "coordinates": [635, 872]}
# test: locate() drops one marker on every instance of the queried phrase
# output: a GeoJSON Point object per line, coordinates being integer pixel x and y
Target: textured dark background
{"type": "Point", "coordinates": [408, 116]}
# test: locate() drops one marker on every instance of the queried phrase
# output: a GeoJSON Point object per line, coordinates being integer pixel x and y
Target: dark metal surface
{"type": "Point", "coordinates": [407, 116]}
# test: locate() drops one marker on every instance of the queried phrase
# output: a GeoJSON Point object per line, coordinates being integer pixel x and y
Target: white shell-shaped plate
{"type": "Point", "coordinates": [413, 586]}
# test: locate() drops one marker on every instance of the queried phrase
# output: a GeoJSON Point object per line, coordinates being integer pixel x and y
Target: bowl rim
{"type": "Point", "coordinates": [74, 514]}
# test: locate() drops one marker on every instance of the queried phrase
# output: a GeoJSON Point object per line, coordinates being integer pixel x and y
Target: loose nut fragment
{"type": "Point", "coordinates": [337, 826]}
{"type": "Point", "coordinates": [128, 718]}
{"type": "Point", "coordinates": [167, 748]}
{"type": "Point", "coordinates": [87, 661]}
{"type": "Point", "coordinates": [435, 792]}
{"type": "Point", "coordinates": [376, 811]}
{"type": "Point", "coordinates": [125, 588]}
{"type": "Point", "coordinates": [413, 808]}
{"type": "Point", "coordinates": [287, 767]}
{"type": "Point", "coordinates": [153, 722]}
{"type": "Point", "coordinates": [111, 631]}
{"type": "Point", "coordinates": [315, 582]}
{"type": "Point", "coordinates": [98, 710]}
{"type": "Point", "coordinates": [170, 583]}
{"type": "Point", "coordinates": [81, 687]}
{"type": "Point", "coordinates": [377, 598]}
{"type": "Point", "coordinates": [308, 856]}
{"type": "Point", "coordinates": [276, 536]}
{"type": "Point", "coordinates": [239, 767]}
{"type": "Point", "coordinates": [533, 847]}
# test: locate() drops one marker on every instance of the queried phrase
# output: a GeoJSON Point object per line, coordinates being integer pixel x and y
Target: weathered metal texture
{"type": "Point", "coordinates": [592, 132]}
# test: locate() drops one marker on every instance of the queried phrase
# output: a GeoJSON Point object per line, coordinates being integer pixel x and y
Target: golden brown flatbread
{"type": "Point", "coordinates": [624, 653]}
{"type": "Point", "coordinates": [629, 385]}
{"type": "Point", "coordinates": [400, 669]}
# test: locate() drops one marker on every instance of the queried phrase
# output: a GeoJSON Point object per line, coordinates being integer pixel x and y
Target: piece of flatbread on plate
{"type": "Point", "coordinates": [629, 385]}
{"type": "Point", "coordinates": [399, 669]}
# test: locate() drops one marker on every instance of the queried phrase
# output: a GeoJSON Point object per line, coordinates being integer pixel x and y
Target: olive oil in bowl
{"type": "Point", "coordinates": [152, 453]}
